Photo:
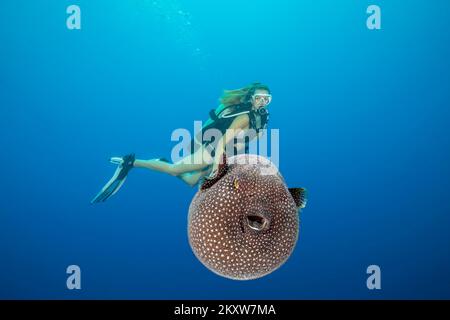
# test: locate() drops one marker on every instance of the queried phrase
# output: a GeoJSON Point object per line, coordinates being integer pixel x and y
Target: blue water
{"type": "Point", "coordinates": [364, 125]}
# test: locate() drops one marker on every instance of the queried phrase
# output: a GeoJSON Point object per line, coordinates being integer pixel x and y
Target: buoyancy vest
{"type": "Point", "coordinates": [222, 117]}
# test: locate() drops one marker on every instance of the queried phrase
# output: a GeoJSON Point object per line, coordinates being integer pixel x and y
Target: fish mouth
{"type": "Point", "coordinates": [257, 222]}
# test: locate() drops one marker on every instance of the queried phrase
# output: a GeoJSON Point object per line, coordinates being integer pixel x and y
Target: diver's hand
{"type": "Point", "coordinates": [213, 173]}
{"type": "Point", "coordinates": [214, 169]}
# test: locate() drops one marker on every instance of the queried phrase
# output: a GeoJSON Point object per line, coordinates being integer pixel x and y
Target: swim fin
{"type": "Point", "coordinates": [125, 164]}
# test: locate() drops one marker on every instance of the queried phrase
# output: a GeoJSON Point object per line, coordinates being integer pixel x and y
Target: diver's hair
{"type": "Point", "coordinates": [237, 96]}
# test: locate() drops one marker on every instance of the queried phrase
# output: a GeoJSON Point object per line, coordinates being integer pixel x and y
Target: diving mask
{"type": "Point", "coordinates": [262, 98]}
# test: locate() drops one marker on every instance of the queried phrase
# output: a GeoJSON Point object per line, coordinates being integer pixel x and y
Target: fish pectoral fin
{"type": "Point", "coordinates": [299, 195]}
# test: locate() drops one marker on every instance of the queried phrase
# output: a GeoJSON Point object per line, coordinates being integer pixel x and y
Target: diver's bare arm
{"type": "Point", "coordinates": [238, 124]}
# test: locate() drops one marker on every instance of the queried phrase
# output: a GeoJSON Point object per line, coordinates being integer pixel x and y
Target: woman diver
{"type": "Point", "coordinates": [240, 110]}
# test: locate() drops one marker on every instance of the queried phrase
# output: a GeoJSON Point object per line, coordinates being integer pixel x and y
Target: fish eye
{"type": "Point", "coordinates": [257, 222]}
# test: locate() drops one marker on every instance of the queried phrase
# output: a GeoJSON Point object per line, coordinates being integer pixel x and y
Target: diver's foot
{"type": "Point", "coordinates": [126, 162]}
{"type": "Point", "coordinates": [212, 175]}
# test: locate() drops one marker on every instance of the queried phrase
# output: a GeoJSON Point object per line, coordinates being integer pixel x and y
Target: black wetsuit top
{"type": "Point", "coordinates": [258, 121]}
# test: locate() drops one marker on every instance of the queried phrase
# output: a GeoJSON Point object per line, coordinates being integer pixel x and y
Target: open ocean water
{"type": "Point", "coordinates": [364, 125]}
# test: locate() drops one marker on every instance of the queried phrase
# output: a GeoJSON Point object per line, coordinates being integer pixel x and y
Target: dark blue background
{"type": "Point", "coordinates": [364, 125]}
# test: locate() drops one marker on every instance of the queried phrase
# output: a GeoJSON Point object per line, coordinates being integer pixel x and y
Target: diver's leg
{"type": "Point", "coordinates": [153, 164]}
{"type": "Point", "coordinates": [193, 162]}
{"type": "Point", "coordinates": [192, 178]}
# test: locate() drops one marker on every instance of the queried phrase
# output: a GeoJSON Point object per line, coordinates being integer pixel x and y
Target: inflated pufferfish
{"type": "Point", "coordinates": [244, 223]}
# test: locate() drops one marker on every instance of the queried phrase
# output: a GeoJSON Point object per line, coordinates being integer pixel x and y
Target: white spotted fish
{"type": "Point", "coordinates": [244, 223]}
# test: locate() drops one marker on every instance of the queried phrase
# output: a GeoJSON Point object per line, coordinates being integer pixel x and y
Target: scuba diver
{"type": "Point", "coordinates": [239, 110]}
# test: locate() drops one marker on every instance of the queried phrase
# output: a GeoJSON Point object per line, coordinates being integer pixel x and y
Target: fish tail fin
{"type": "Point", "coordinates": [299, 195]}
